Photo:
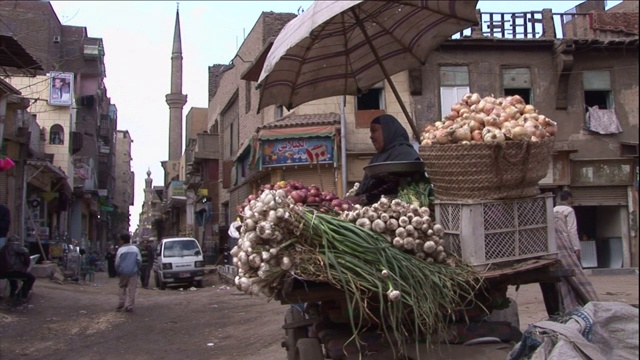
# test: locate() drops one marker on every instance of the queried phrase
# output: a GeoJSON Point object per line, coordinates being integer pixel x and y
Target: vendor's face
{"type": "Point", "coordinates": [377, 138]}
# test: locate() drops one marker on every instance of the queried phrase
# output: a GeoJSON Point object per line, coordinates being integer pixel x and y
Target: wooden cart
{"type": "Point", "coordinates": [310, 336]}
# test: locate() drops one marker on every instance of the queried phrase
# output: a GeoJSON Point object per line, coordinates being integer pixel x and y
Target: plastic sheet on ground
{"type": "Point", "coordinates": [598, 331]}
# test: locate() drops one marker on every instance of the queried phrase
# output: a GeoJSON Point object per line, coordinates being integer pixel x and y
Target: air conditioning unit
{"type": "Point", "coordinates": [56, 39]}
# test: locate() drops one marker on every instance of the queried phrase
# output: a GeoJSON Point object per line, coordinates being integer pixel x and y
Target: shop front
{"type": "Point", "coordinates": [602, 191]}
{"type": "Point", "coordinates": [47, 196]}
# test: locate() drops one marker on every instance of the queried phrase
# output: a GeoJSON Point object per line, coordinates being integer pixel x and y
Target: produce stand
{"type": "Point", "coordinates": [297, 326]}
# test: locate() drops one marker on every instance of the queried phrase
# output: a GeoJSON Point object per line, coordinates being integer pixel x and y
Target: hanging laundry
{"type": "Point", "coordinates": [603, 121]}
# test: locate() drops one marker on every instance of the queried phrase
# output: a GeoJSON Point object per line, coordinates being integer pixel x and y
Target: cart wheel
{"type": "Point", "coordinates": [309, 349]}
{"type": "Point", "coordinates": [293, 335]}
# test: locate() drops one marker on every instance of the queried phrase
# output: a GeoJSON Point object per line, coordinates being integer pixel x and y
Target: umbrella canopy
{"type": "Point", "coordinates": [346, 47]}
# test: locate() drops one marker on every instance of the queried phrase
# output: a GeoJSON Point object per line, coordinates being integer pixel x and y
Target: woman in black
{"type": "Point", "coordinates": [111, 262]}
{"type": "Point", "coordinates": [391, 142]}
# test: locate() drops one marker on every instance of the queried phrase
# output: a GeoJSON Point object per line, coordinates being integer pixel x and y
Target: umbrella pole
{"type": "Point", "coordinates": [416, 133]}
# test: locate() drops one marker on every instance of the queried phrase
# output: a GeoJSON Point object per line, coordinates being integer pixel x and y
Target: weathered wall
{"type": "Point", "coordinates": [485, 63]}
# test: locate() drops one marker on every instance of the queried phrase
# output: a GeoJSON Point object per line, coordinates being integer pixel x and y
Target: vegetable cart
{"type": "Point", "coordinates": [302, 342]}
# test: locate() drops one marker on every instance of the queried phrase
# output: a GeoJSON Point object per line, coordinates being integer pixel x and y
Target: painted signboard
{"type": "Point", "coordinates": [297, 151]}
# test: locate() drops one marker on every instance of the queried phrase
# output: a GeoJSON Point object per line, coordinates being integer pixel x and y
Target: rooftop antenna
{"type": "Point", "coordinates": [177, 6]}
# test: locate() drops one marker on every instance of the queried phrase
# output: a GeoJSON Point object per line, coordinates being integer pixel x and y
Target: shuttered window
{"type": "Point", "coordinates": [227, 168]}
{"type": "Point", "coordinates": [454, 84]}
{"type": "Point", "coordinates": [597, 89]}
{"type": "Point", "coordinates": [449, 96]}
{"type": "Point", "coordinates": [517, 81]}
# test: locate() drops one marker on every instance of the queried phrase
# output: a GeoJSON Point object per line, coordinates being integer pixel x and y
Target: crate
{"type": "Point", "coordinates": [494, 231]}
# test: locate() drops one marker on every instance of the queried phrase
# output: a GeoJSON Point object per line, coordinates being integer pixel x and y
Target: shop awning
{"type": "Point", "coordinates": [252, 73]}
{"type": "Point", "coordinates": [52, 172]}
{"type": "Point", "coordinates": [7, 88]}
{"type": "Point", "coordinates": [13, 54]}
{"type": "Point", "coordinates": [297, 132]}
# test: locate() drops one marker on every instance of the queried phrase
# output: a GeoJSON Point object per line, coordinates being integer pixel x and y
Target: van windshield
{"type": "Point", "coordinates": [180, 248]}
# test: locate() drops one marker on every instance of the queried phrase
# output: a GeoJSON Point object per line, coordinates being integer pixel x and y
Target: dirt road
{"type": "Point", "coordinates": [79, 321]}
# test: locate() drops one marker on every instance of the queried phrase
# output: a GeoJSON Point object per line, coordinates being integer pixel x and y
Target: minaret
{"type": "Point", "coordinates": [176, 99]}
{"type": "Point", "coordinates": [148, 181]}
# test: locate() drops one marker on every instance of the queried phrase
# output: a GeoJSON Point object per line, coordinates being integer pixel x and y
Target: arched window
{"type": "Point", "coordinates": [56, 135]}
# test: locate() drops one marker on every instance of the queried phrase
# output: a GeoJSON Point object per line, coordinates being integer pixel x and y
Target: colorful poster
{"type": "Point", "coordinates": [61, 89]}
{"type": "Point", "coordinates": [297, 151]}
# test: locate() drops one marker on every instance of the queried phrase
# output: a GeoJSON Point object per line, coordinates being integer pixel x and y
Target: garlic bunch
{"type": "Point", "coordinates": [259, 253]}
{"type": "Point", "coordinates": [408, 227]}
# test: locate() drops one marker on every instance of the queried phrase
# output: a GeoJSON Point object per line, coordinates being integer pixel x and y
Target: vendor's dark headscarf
{"type": "Point", "coordinates": [396, 146]}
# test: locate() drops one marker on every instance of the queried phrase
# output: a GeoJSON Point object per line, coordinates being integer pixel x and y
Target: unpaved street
{"type": "Point", "coordinates": [79, 321]}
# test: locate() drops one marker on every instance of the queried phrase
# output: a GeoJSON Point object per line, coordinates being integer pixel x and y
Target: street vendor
{"type": "Point", "coordinates": [391, 142]}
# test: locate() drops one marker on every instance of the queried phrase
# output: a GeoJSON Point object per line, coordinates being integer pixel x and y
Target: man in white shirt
{"type": "Point", "coordinates": [565, 213]}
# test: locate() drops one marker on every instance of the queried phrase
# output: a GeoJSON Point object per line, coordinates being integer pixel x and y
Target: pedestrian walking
{"type": "Point", "coordinates": [111, 262]}
{"type": "Point", "coordinates": [128, 260]}
{"type": "Point", "coordinates": [146, 251]}
{"type": "Point", "coordinates": [576, 290]}
{"type": "Point", "coordinates": [14, 266]}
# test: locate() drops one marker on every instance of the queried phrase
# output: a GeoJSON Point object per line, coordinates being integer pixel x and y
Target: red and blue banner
{"type": "Point", "coordinates": [297, 151]}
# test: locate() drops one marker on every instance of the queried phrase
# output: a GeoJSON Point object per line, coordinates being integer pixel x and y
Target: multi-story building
{"type": "Point", "coordinates": [150, 221]}
{"type": "Point", "coordinates": [69, 101]}
{"type": "Point", "coordinates": [568, 65]}
{"type": "Point", "coordinates": [124, 186]}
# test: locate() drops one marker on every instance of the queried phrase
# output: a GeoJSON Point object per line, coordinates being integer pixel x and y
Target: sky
{"type": "Point", "coordinates": [138, 37]}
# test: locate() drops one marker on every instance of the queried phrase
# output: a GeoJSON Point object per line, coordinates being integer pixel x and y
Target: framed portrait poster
{"type": "Point", "coordinates": [60, 89]}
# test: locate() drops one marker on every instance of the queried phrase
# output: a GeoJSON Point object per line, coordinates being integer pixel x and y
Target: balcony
{"type": "Point", "coordinates": [207, 147]}
{"type": "Point", "coordinates": [93, 48]}
{"type": "Point", "coordinates": [548, 25]}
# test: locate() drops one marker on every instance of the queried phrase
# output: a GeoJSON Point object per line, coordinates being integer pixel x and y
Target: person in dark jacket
{"type": "Point", "coordinates": [5, 223]}
{"type": "Point", "coordinates": [14, 265]}
{"type": "Point", "coordinates": [146, 251]}
{"type": "Point", "coordinates": [391, 142]}
{"type": "Point", "coordinates": [111, 262]}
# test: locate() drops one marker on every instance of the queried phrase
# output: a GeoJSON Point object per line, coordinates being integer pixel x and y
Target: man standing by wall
{"type": "Point", "coordinates": [146, 251]}
{"type": "Point", "coordinates": [567, 215]}
{"type": "Point", "coordinates": [128, 260]}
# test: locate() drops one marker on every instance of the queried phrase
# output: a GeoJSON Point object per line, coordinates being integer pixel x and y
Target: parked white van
{"type": "Point", "coordinates": [178, 261]}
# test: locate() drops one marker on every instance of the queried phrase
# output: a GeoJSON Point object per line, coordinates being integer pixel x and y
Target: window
{"type": "Point", "coordinates": [370, 105]}
{"type": "Point", "coordinates": [373, 99]}
{"type": "Point", "coordinates": [247, 96]}
{"type": "Point", "coordinates": [454, 84]}
{"type": "Point", "coordinates": [56, 135]}
{"type": "Point", "coordinates": [225, 212]}
{"type": "Point", "coordinates": [597, 89]}
{"type": "Point", "coordinates": [517, 81]}
{"type": "Point", "coordinates": [279, 112]}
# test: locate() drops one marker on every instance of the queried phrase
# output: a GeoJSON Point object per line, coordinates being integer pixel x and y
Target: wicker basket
{"type": "Point", "coordinates": [487, 171]}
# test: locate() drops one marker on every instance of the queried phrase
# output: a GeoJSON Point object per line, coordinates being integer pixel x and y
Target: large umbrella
{"type": "Point", "coordinates": [346, 47]}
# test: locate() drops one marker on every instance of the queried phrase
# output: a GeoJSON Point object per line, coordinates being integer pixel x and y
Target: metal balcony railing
{"type": "Point", "coordinates": [548, 25]}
